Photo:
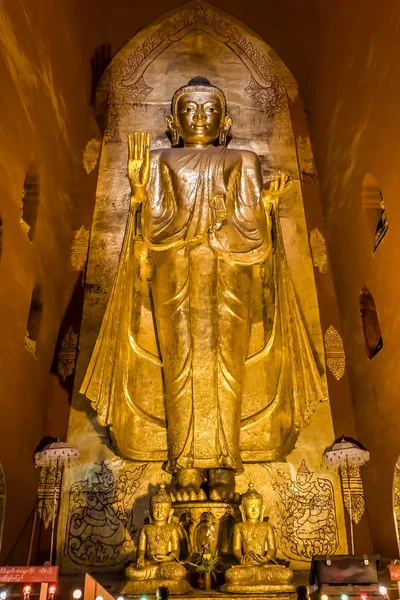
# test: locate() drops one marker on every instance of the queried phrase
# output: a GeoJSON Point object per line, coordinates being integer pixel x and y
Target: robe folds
{"type": "Point", "coordinates": [203, 359]}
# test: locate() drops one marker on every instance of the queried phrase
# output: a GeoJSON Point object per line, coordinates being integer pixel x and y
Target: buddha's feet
{"type": "Point", "coordinates": [188, 482]}
{"type": "Point", "coordinates": [222, 485]}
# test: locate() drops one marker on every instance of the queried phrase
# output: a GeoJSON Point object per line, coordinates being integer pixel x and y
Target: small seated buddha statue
{"type": "Point", "coordinates": [157, 562]}
{"type": "Point", "coordinates": [255, 550]}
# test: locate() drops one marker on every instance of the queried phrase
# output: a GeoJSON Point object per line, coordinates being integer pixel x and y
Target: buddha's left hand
{"type": "Point", "coordinates": [278, 186]}
{"type": "Point", "coordinates": [163, 557]}
{"type": "Point", "coordinates": [246, 558]}
{"type": "Point", "coordinates": [258, 558]}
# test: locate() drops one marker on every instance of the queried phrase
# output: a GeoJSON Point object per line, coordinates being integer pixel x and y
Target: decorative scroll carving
{"type": "Point", "coordinates": [353, 479]}
{"type": "Point", "coordinates": [268, 98]}
{"type": "Point", "coordinates": [100, 525]}
{"type": "Point", "coordinates": [335, 356]}
{"type": "Point", "coordinates": [79, 249]}
{"type": "Point", "coordinates": [67, 354]}
{"type": "Point", "coordinates": [307, 520]}
{"type": "Point", "coordinates": [123, 82]}
{"type": "Point", "coordinates": [91, 155]}
{"type": "Point", "coordinates": [319, 252]}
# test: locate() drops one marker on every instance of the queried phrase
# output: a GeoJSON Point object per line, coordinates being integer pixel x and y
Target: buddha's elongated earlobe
{"type": "Point", "coordinates": [175, 138]}
{"type": "Point", "coordinates": [224, 131]}
{"type": "Point", "coordinates": [173, 130]}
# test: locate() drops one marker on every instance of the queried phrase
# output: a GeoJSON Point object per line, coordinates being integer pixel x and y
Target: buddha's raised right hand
{"type": "Point", "coordinates": [138, 163]}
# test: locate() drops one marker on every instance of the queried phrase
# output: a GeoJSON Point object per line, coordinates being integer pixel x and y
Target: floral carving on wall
{"type": "Point", "coordinates": [67, 354]}
{"type": "Point", "coordinates": [334, 350]}
{"type": "Point", "coordinates": [91, 155]}
{"type": "Point", "coordinates": [79, 249]}
{"type": "Point", "coordinates": [319, 251]}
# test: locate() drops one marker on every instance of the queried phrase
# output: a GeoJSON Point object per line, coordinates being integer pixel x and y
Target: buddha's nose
{"type": "Point", "coordinates": [200, 117]}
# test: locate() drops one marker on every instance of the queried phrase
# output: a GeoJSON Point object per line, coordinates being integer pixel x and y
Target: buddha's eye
{"type": "Point", "coordinates": [210, 109]}
{"type": "Point", "coordinates": [189, 109]}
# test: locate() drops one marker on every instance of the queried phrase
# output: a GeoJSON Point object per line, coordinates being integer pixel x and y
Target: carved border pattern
{"type": "Point", "coordinates": [48, 493]}
{"type": "Point", "coordinates": [354, 481]}
{"type": "Point", "coordinates": [123, 83]}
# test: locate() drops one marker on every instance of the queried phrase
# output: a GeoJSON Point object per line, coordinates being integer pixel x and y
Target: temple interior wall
{"type": "Point", "coordinates": [354, 127]}
{"type": "Point", "coordinates": [345, 61]}
{"type": "Point", "coordinates": [45, 119]}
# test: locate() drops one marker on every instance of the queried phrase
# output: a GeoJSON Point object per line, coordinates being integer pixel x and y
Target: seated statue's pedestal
{"type": "Point", "coordinates": [266, 579]}
{"type": "Point", "coordinates": [146, 580]}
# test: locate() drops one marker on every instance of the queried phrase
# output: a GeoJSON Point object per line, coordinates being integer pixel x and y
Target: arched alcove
{"type": "Point", "coordinates": [30, 201]}
{"type": "Point", "coordinates": [2, 502]}
{"type": "Point", "coordinates": [34, 319]}
{"type": "Point", "coordinates": [373, 204]}
{"type": "Point", "coordinates": [269, 119]}
{"type": "Point", "coordinates": [370, 323]}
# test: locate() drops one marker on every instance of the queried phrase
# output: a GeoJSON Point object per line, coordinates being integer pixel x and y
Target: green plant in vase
{"type": "Point", "coordinates": [206, 563]}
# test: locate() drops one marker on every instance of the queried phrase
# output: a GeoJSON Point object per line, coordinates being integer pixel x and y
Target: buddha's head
{"type": "Point", "coordinates": [161, 505]}
{"type": "Point", "coordinates": [199, 114]}
{"type": "Point", "coordinates": [252, 505]}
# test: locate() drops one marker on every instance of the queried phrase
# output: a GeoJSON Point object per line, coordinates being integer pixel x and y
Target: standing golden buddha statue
{"type": "Point", "coordinates": [202, 359]}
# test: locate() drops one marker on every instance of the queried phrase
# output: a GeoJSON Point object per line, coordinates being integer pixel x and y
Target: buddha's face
{"type": "Point", "coordinates": [253, 509]}
{"type": "Point", "coordinates": [160, 511]}
{"type": "Point", "coordinates": [199, 118]}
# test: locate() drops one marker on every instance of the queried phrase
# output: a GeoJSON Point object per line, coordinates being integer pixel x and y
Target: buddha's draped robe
{"type": "Point", "coordinates": [173, 352]}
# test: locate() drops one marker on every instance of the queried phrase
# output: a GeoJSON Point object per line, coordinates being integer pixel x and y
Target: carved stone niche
{"type": "Point", "coordinates": [207, 522]}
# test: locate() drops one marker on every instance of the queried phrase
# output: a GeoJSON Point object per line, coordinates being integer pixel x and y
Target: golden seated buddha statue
{"type": "Point", "coordinates": [157, 563]}
{"type": "Point", "coordinates": [255, 550]}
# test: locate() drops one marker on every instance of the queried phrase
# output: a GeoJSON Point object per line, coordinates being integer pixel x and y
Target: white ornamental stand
{"type": "Point", "coordinates": [346, 453]}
